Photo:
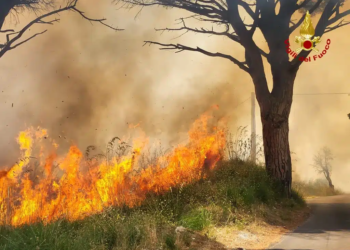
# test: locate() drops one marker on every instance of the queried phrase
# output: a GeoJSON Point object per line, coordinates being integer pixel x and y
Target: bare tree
{"type": "Point", "coordinates": [274, 19]}
{"type": "Point", "coordinates": [13, 38]}
{"type": "Point", "coordinates": [322, 164]}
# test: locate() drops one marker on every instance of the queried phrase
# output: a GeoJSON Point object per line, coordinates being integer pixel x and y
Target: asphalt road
{"type": "Point", "coordinates": [328, 227]}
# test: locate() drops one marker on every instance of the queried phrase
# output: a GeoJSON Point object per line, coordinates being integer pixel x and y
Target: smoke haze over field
{"type": "Point", "coordinates": [88, 83]}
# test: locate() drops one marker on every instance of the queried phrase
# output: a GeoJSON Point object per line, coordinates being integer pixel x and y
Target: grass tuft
{"type": "Point", "coordinates": [198, 219]}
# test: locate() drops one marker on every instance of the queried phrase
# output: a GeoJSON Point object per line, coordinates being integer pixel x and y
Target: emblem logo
{"type": "Point", "coordinates": [305, 39]}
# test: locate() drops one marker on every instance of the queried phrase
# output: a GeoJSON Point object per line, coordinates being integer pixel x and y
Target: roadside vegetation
{"type": "Point", "coordinates": [236, 200]}
{"type": "Point", "coordinates": [323, 186]}
{"type": "Point", "coordinates": [237, 193]}
{"type": "Point", "coordinates": [318, 187]}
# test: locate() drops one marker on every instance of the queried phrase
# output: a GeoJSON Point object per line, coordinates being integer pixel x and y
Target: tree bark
{"type": "Point", "coordinates": [275, 109]}
{"type": "Point", "coordinates": [277, 152]}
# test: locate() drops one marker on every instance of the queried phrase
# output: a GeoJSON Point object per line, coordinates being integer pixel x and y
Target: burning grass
{"type": "Point", "coordinates": [235, 195]}
{"type": "Point", "coordinates": [129, 199]}
{"type": "Point", "coordinates": [83, 186]}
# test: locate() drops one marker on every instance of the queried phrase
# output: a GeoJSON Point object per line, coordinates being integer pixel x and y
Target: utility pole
{"type": "Point", "coordinates": [253, 130]}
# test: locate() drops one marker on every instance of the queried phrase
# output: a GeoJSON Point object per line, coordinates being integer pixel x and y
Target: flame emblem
{"type": "Point", "coordinates": [305, 39]}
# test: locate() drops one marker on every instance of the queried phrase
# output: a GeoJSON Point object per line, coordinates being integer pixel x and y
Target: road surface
{"type": "Point", "coordinates": [328, 228]}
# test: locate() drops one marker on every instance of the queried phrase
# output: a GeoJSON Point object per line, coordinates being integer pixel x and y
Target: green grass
{"type": "Point", "coordinates": [229, 196]}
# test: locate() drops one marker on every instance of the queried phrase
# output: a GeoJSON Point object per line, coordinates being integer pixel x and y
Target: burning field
{"type": "Point", "coordinates": [44, 186]}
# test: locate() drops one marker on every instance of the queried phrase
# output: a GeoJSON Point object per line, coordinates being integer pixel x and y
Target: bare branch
{"type": "Point", "coordinates": [247, 8]}
{"type": "Point", "coordinates": [24, 41]}
{"type": "Point", "coordinates": [322, 161]}
{"type": "Point", "coordinates": [264, 54]}
{"type": "Point", "coordinates": [304, 4]}
{"type": "Point", "coordinates": [180, 48]}
{"type": "Point", "coordinates": [71, 6]}
{"type": "Point", "coordinates": [323, 26]}
{"type": "Point", "coordinates": [237, 23]}
{"type": "Point", "coordinates": [208, 8]}
{"type": "Point", "coordinates": [255, 21]}
{"type": "Point", "coordinates": [33, 5]}
{"type": "Point", "coordinates": [314, 7]}
{"type": "Point", "coordinates": [221, 5]}
{"type": "Point", "coordinates": [287, 8]}
{"type": "Point", "coordinates": [5, 31]}
{"type": "Point", "coordinates": [49, 22]}
{"type": "Point", "coordinates": [337, 17]}
{"type": "Point", "coordinates": [101, 21]}
{"type": "Point", "coordinates": [252, 51]}
{"type": "Point", "coordinates": [340, 24]}
{"type": "Point", "coordinates": [226, 33]}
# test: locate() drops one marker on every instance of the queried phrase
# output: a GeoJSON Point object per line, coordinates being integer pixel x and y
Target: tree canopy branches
{"type": "Point", "coordinates": [275, 27]}
{"type": "Point", "coordinates": [308, 4]}
{"type": "Point", "coordinates": [33, 5]}
{"type": "Point", "coordinates": [331, 14]}
{"type": "Point", "coordinates": [180, 48]}
{"type": "Point", "coordinates": [18, 6]}
{"type": "Point", "coordinates": [322, 164]}
{"type": "Point", "coordinates": [322, 160]}
{"type": "Point", "coordinates": [14, 38]}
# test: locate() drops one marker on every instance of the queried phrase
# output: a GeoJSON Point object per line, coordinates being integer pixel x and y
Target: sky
{"type": "Point", "coordinates": [87, 83]}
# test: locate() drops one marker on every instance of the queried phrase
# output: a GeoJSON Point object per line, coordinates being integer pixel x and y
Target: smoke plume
{"type": "Point", "coordinates": [86, 83]}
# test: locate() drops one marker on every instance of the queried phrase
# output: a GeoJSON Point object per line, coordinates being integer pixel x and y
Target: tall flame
{"type": "Point", "coordinates": [72, 193]}
{"type": "Point", "coordinates": [307, 30]}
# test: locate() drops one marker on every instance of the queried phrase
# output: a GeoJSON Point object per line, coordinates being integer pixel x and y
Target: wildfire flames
{"type": "Point", "coordinates": [75, 186]}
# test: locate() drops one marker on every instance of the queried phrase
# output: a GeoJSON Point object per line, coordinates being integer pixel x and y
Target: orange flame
{"type": "Point", "coordinates": [73, 193]}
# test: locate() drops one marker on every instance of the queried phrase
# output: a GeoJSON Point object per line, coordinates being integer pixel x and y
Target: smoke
{"type": "Point", "coordinates": [321, 120]}
{"type": "Point", "coordinates": [86, 84]}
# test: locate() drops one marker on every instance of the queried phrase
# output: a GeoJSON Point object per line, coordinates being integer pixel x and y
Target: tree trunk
{"type": "Point", "coordinates": [277, 152]}
{"type": "Point", "coordinates": [275, 110]}
{"type": "Point", "coordinates": [330, 184]}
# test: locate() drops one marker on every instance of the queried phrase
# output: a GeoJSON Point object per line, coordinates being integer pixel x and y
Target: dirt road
{"type": "Point", "coordinates": [328, 228]}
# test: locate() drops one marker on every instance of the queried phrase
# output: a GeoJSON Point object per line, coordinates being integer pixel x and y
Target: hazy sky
{"type": "Point", "coordinates": [88, 83]}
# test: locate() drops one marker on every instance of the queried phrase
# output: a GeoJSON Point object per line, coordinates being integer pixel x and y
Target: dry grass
{"type": "Point", "coordinates": [259, 229]}
{"type": "Point", "coordinates": [238, 198]}
{"type": "Point", "coordinates": [317, 187]}
{"type": "Point", "coordinates": [236, 206]}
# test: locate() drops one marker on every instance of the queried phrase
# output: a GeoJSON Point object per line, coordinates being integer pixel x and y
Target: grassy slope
{"type": "Point", "coordinates": [236, 194]}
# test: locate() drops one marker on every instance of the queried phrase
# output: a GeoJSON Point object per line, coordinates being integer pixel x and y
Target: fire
{"type": "Point", "coordinates": [79, 186]}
